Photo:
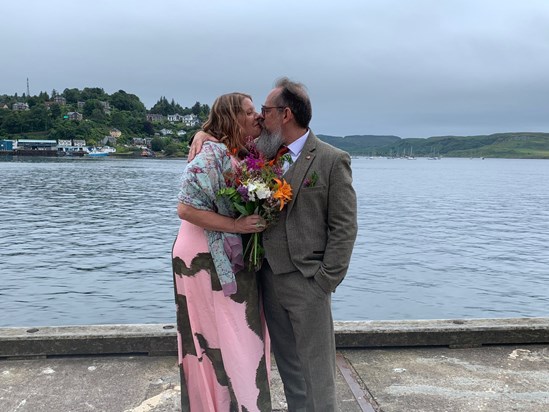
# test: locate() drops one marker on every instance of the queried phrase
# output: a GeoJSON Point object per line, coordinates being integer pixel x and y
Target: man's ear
{"type": "Point", "coordinates": [288, 116]}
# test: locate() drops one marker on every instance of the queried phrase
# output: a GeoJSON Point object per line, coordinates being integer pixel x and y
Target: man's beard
{"type": "Point", "coordinates": [268, 143]}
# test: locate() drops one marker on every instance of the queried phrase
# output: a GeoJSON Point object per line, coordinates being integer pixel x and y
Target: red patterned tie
{"type": "Point", "coordinates": [281, 152]}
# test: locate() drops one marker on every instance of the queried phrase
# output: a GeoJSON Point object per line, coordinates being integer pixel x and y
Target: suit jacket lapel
{"type": "Point", "coordinates": [301, 166]}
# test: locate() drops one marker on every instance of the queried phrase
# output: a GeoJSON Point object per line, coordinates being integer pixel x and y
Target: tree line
{"type": "Point", "coordinates": [101, 113]}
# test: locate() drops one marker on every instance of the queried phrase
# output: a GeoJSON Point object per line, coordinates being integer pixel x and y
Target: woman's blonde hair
{"type": "Point", "coordinates": [222, 122]}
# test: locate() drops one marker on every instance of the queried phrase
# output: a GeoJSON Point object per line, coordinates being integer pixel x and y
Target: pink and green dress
{"type": "Point", "coordinates": [223, 344]}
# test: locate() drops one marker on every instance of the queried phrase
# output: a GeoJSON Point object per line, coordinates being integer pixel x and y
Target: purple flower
{"type": "Point", "coordinates": [243, 191]}
{"type": "Point", "coordinates": [253, 163]}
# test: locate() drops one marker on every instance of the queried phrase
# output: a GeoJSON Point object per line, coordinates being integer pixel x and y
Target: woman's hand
{"type": "Point", "coordinates": [198, 140]}
{"type": "Point", "coordinates": [214, 221]}
{"type": "Point", "coordinates": [249, 224]}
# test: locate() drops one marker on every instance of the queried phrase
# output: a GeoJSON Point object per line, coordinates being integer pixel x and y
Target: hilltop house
{"type": "Point", "coordinates": [20, 106]}
{"type": "Point", "coordinates": [191, 120]}
{"type": "Point", "coordinates": [104, 105]}
{"type": "Point", "coordinates": [175, 117]}
{"type": "Point", "coordinates": [152, 117]}
{"type": "Point", "coordinates": [74, 116]}
{"type": "Point", "coordinates": [60, 100]}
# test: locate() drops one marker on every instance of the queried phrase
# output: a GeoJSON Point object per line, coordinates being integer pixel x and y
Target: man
{"type": "Point", "coordinates": [307, 252]}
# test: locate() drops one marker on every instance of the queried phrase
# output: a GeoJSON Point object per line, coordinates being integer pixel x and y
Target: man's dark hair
{"type": "Point", "coordinates": [294, 95]}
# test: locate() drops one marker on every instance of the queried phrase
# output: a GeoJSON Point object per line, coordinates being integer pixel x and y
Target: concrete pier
{"type": "Point", "coordinates": [395, 366]}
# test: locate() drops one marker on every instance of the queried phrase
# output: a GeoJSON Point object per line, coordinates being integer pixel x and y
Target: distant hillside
{"type": "Point", "coordinates": [503, 145]}
{"type": "Point", "coordinates": [359, 144]}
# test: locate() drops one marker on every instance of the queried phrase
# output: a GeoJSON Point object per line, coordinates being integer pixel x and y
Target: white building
{"type": "Point", "coordinates": [191, 120]}
{"type": "Point", "coordinates": [175, 117]}
{"type": "Point", "coordinates": [20, 106]}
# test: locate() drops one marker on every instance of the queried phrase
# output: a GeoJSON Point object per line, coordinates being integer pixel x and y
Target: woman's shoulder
{"type": "Point", "coordinates": [215, 145]}
{"type": "Point", "coordinates": [213, 149]}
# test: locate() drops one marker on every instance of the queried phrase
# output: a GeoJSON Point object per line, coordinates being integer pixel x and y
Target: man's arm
{"type": "Point", "coordinates": [342, 224]}
{"type": "Point", "coordinates": [197, 141]}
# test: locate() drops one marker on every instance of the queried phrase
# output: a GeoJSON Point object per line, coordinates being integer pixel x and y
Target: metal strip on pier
{"type": "Point", "coordinates": [349, 376]}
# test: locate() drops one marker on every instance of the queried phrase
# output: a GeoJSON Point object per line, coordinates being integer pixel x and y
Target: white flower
{"type": "Point", "coordinates": [257, 189]}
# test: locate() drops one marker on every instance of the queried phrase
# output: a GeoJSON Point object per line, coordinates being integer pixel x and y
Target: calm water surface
{"type": "Point", "coordinates": [87, 241]}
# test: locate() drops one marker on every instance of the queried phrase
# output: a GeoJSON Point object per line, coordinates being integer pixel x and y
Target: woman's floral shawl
{"type": "Point", "coordinates": [202, 179]}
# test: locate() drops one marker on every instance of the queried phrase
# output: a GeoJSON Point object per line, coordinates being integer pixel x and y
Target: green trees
{"type": "Point", "coordinates": [93, 93]}
{"type": "Point", "coordinates": [127, 102]}
{"type": "Point", "coordinates": [55, 111]}
{"type": "Point", "coordinates": [157, 144]}
{"type": "Point", "coordinates": [72, 95]}
{"type": "Point", "coordinates": [163, 107]}
{"type": "Point", "coordinates": [101, 112]}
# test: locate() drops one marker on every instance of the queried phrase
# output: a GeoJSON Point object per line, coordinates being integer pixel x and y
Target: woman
{"type": "Point", "coordinates": [223, 343]}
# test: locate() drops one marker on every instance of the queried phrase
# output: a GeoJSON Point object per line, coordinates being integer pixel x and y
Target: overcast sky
{"type": "Point", "coordinates": [411, 68]}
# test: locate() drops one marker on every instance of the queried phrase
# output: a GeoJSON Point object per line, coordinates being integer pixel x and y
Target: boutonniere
{"type": "Point", "coordinates": [287, 157]}
{"type": "Point", "coordinates": [311, 180]}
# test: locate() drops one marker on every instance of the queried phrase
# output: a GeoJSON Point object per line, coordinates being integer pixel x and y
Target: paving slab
{"type": "Point", "coordinates": [438, 379]}
{"type": "Point", "coordinates": [111, 384]}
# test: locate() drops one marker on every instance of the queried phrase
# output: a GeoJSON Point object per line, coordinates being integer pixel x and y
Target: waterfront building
{"type": "Point", "coordinates": [6, 145]}
{"type": "Point", "coordinates": [71, 146]}
{"type": "Point", "coordinates": [115, 133]}
{"type": "Point", "coordinates": [36, 145]}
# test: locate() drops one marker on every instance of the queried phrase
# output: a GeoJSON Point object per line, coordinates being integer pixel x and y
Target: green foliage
{"type": "Point", "coordinates": [72, 95]}
{"type": "Point", "coordinates": [127, 102]}
{"type": "Point", "coordinates": [148, 128]}
{"type": "Point", "coordinates": [359, 144]}
{"type": "Point", "coordinates": [157, 144]}
{"type": "Point", "coordinates": [127, 113]}
{"type": "Point", "coordinates": [93, 93]}
{"type": "Point", "coordinates": [55, 111]}
{"type": "Point", "coordinates": [163, 107]}
{"type": "Point", "coordinates": [172, 148]}
{"type": "Point", "coordinates": [510, 145]}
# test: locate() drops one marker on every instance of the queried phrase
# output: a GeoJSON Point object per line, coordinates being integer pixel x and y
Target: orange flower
{"type": "Point", "coordinates": [283, 193]}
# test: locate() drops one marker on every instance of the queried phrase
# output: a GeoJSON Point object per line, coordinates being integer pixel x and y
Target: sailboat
{"type": "Point", "coordinates": [433, 156]}
{"type": "Point", "coordinates": [411, 157]}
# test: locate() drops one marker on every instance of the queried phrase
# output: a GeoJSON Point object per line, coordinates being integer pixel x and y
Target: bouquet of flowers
{"type": "Point", "coordinates": [256, 186]}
